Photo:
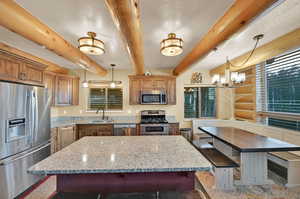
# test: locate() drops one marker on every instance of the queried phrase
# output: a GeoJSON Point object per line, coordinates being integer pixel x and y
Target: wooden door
{"type": "Point", "coordinates": [174, 129]}
{"type": "Point", "coordinates": [66, 136]}
{"type": "Point", "coordinates": [160, 84]}
{"type": "Point", "coordinates": [105, 130]}
{"type": "Point", "coordinates": [147, 84]}
{"type": "Point", "coordinates": [75, 91]}
{"type": "Point", "coordinates": [49, 82]}
{"type": "Point", "coordinates": [9, 68]}
{"type": "Point", "coordinates": [134, 91]}
{"type": "Point", "coordinates": [95, 130]}
{"type": "Point", "coordinates": [63, 90]}
{"type": "Point", "coordinates": [33, 74]}
{"type": "Point", "coordinates": [171, 91]}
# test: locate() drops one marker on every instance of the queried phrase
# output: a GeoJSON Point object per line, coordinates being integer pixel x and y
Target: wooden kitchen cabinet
{"type": "Point", "coordinates": [9, 68]}
{"type": "Point", "coordinates": [50, 82]}
{"type": "Point", "coordinates": [137, 83]}
{"type": "Point", "coordinates": [62, 137]}
{"type": "Point", "coordinates": [75, 90]}
{"type": "Point", "coordinates": [21, 70]}
{"type": "Point", "coordinates": [94, 130]}
{"type": "Point", "coordinates": [33, 73]}
{"type": "Point", "coordinates": [134, 91]}
{"type": "Point", "coordinates": [171, 91]}
{"type": "Point", "coordinates": [174, 129]}
{"type": "Point", "coordinates": [64, 89]}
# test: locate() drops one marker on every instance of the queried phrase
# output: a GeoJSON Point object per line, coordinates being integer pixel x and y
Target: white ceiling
{"type": "Point", "coordinates": [282, 18]}
{"type": "Point", "coordinates": [189, 19]}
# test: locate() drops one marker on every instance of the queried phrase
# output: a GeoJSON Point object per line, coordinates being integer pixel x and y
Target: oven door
{"type": "Point", "coordinates": [154, 129]}
{"type": "Point", "coordinates": [153, 97]}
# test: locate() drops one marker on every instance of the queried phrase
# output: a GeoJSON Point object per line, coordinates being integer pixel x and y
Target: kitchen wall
{"type": "Point", "coordinates": [122, 75]}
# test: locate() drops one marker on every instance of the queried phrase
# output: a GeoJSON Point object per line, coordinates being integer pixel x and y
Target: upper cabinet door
{"type": "Point", "coordinates": [134, 91]}
{"type": "Point", "coordinates": [63, 90]}
{"type": "Point", "coordinates": [75, 91]}
{"type": "Point", "coordinates": [49, 81]}
{"type": "Point", "coordinates": [34, 74]}
{"type": "Point", "coordinates": [9, 68]}
{"type": "Point", "coordinates": [171, 91]}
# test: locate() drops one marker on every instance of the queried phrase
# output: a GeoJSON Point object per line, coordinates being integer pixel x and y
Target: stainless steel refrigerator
{"type": "Point", "coordinates": [24, 135]}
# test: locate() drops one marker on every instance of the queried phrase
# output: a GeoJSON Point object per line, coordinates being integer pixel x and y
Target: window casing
{"type": "Point", "coordinates": [278, 90]}
{"type": "Point", "coordinates": [105, 98]}
{"type": "Point", "coordinates": [199, 102]}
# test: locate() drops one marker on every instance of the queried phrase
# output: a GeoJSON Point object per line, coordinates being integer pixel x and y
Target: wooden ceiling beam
{"type": "Point", "coordinates": [276, 47]}
{"type": "Point", "coordinates": [50, 66]}
{"type": "Point", "coordinates": [126, 16]}
{"type": "Point", "coordinates": [18, 20]}
{"type": "Point", "coordinates": [236, 17]}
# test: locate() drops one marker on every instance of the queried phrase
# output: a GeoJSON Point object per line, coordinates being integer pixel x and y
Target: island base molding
{"type": "Point", "coordinates": [126, 182]}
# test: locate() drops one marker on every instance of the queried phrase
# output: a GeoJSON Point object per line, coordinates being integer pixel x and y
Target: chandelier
{"type": "Point", "coordinates": [230, 79]}
{"type": "Point", "coordinates": [171, 46]}
{"type": "Point", "coordinates": [91, 45]}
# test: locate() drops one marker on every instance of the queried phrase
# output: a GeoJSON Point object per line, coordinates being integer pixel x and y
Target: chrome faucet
{"type": "Point", "coordinates": [103, 112]}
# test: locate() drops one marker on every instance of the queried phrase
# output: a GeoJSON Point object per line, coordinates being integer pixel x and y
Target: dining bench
{"type": "Point", "coordinates": [287, 165]}
{"type": "Point", "coordinates": [222, 166]}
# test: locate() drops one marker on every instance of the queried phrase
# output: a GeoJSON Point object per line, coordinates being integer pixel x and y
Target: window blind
{"type": "Point", "coordinates": [105, 98]}
{"type": "Point", "coordinates": [278, 90]}
{"type": "Point", "coordinates": [278, 84]}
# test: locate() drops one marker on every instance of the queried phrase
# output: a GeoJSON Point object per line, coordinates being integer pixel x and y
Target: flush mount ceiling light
{"type": "Point", "coordinates": [171, 46]}
{"type": "Point", "coordinates": [91, 45]}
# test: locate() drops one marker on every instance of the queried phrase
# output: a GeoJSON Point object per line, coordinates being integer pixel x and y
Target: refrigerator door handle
{"type": "Point", "coordinates": [18, 157]}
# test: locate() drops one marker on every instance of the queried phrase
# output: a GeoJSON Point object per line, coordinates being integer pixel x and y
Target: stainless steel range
{"type": "Point", "coordinates": [153, 122]}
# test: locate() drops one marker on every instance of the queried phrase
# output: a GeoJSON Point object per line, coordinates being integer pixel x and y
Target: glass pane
{"type": "Point", "coordinates": [191, 103]}
{"type": "Point", "coordinates": [208, 100]}
{"type": "Point", "coordinates": [115, 98]}
{"type": "Point", "coordinates": [97, 99]}
{"type": "Point", "coordinates": [283, 83]}
{"type": "Point", "coordinates": [294, 125]}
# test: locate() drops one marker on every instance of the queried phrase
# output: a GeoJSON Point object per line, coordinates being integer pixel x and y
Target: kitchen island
{"type": "Point", "coordinates": [124, 164]}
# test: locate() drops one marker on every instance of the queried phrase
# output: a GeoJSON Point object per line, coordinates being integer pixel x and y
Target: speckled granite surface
{"type": "Point", "coordinates": [120, 154]}
{"type": "Point", "coordinates": [65, 121]}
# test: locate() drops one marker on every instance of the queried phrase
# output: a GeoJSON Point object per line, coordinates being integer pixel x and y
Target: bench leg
{"type": "Point", "coordinates": [254, 169]}
{"type": "Point", "coordinates": [224, 178]}
{"type": "Point", "coordinates": [293, 178]}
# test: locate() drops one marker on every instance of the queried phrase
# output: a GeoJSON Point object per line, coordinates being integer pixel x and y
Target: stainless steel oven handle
{"type": "Point", "coordinates": [6, 162]}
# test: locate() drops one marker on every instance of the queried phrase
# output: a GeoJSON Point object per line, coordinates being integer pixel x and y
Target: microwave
{"type": "Point", "coordinates": [153, 97]}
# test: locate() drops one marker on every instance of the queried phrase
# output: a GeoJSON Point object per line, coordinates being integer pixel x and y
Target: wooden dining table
{"type": "Point", "coordinates": [252, 150]}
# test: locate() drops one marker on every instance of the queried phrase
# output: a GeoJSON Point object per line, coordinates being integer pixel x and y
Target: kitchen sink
{"type": "Point", "coordinates": [101, 121]}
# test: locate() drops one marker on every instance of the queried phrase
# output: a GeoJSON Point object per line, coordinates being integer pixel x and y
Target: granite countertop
{"type": "Point", "coordinates": [122, 154]}
{"type": "Point", "coordinates": [88, 120]}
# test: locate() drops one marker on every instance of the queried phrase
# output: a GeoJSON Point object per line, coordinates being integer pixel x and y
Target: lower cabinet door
{"type": "Point", "coordinates": [66, 136]}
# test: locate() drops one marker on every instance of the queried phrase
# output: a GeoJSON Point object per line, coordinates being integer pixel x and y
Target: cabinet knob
{"type": "Point", "coordinates": [22, 76]}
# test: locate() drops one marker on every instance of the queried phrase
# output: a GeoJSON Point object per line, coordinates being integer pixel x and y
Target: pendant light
{"type": "Point", "coordinates": [91, 45]}
{"type": "Point", "coordinates": [113, 83]}
{"type": "Point", "coordinates": [84, 83]}
{"type": "Point", "coordinates": [171, 46]}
